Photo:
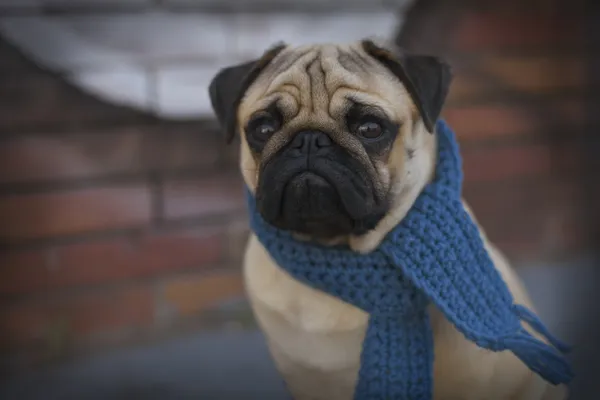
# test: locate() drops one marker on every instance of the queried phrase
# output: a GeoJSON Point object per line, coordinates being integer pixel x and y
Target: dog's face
{"type": "Point", "coordinates": [331, 134]}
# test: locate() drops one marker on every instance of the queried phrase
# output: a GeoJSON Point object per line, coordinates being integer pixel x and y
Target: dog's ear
{"type": "Point", "coordinates": [228, 86]}
{"type": "Point", "coordinates": [427, 78]}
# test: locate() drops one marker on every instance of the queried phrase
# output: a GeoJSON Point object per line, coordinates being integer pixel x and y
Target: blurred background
{"type": "Point", "coordinates": [122, 221]}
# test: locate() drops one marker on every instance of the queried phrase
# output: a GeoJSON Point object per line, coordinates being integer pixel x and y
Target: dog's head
{"type": "Point", "coordinates": [332, 135]}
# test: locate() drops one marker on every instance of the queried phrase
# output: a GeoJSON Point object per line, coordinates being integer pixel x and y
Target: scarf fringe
{"type": "Point", "coordinates": [539, 357]}
{"type": "Point", "coordinates": [534, 321]}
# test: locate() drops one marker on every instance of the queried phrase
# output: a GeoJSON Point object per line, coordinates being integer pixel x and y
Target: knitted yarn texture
{"type": "Point", "coordinates": [435, 254]}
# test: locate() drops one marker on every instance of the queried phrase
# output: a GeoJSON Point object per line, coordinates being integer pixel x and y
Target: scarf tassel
{"type": "Point", "coordinates": [533, 320]}
{"type": "Point", "coordinates": [537, 355]}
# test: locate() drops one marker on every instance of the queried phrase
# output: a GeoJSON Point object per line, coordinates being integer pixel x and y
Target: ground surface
{"type": "Point", "coordinates": [235, 365]}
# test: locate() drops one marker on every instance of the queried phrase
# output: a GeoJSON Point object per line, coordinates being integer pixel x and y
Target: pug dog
{"type": "Point", "coordinates": [366, 113]}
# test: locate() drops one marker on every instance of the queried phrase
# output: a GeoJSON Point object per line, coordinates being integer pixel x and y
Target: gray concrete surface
{"type": "Point", "coordinates": [207, 366]}
{"type": "Point", "coordinates": [236, 365]}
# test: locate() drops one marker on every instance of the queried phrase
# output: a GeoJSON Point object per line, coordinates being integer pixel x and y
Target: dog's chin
{"type": "Point", "coordinates": [312, 206]}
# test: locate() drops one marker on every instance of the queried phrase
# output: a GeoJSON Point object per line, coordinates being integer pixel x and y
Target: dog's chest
{"type": "Point", "coordinates": [308, 326]}
{"type": "Point", "coordinates": [311, 327]}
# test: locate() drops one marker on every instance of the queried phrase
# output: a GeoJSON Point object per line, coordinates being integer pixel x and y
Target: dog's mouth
{"type": "Point", "coordinates": [320, 202]}
{"type": "Point", "coordinates": [311, 205]}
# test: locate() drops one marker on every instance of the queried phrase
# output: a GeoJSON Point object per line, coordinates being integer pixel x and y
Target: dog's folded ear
{"type": "Point", "coordinates": [228, 86]}
{"type": "Point", "coordinates": [427, 78]}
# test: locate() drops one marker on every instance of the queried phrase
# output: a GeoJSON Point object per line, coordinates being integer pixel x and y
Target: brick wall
{"type": "Point", "coordinates": [113, 224]}
{"type": "Point", "coordinates": [520, 106]}
{"type": "Point", "coordinates": [117, 227]}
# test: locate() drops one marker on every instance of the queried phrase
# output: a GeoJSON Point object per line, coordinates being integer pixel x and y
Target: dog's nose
{"type": "Point", "coordinates": [308, 142]}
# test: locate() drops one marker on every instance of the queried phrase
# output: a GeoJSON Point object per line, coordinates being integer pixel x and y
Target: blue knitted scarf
{"type": "Point", "coordinates": [435, 254]}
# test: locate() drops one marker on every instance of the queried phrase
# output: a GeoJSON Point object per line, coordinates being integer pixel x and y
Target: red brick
{"type": "Point", "coordinates": [76, 316]}
{"type": "Point", "coordinates": [466, 86]}
{"type": "Point", "coordinates": [528, 248]}
{"type": "Point", "coordinates": [41, 99]}
{"type": "Point", "coordinates": [534, 220]}
{"type": "Point", "coordinates": [479, 31]}
{"type": "Point", "coordinates": [118, 151]}
{"type": "Point", "coordinates": [536, 74]}
{"type": "Point", "coordinates": [184, 146]}
{"type": "Point", "coordinates": [41, 157]}
{"type": "Point", "coordinates": [190, 295]}
{"type": "Point", "coordinates": [516, 161]}
{"type": "Point", "coordinates": [512, 197]}
{"type": "Point", "coordinates": [109, 261]}
{"type": "Point", "coordinates": [570, 111]}
{"type": "Point", "coordinates": [483, 122]}
{"type": "Point", "coordinates": [576, 113]}
{"type": "Point", "coordinates": [539, 235]}
{"type": "Point", "coordinates": [218, 194]}
{"type": "Point", "coordinates": [36, 216]}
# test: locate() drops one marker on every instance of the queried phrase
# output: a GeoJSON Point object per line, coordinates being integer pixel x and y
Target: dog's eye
{"type": "Point", "coordinates": [263, 125]}
{"type": "Point", "coordinates": [369, 130]}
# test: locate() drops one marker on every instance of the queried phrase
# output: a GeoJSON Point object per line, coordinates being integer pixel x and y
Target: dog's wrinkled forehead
{"type": "Point", "coordinates": [317, 83]}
